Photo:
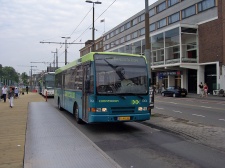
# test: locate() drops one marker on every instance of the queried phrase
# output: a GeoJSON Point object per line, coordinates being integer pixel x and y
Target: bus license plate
{"type": "Point", "coordinates": [123, 118]}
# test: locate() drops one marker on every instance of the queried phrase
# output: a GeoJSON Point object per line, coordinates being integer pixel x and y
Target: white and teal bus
{"type": "Point", "coordinates": [47, 84]}
{"type": "Point", "coordinates": [92, 88]}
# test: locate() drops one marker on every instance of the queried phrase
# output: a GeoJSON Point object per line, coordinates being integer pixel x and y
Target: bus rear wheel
{"type": "Point", "coordinates": [76, 113]}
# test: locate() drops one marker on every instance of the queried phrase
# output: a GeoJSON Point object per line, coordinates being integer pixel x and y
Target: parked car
{"type": "Point", "coordinates": [175, 92]}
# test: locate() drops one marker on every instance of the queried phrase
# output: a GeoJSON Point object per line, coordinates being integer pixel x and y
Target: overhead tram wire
{"type": "Point", "coordinates": [94, 21]}
{"type": "Point", "coordinates": [81, 22]}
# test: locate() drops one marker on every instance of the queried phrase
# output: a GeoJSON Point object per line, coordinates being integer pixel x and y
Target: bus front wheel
{"type": "Point", "coordinates": [76, 113]}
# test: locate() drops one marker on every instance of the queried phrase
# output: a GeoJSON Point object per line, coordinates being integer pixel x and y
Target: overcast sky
{"type": "Point", "coordinates": [25, 23]}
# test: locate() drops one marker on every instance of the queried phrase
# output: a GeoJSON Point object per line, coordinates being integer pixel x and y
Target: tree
{"type": "Point", "coordinates": [10, 74]}
{"type": "Point", "coordinates": [24, 78]}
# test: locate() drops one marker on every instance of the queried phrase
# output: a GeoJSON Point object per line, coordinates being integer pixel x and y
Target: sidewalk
{"type": "Point", "coordinates": [209, 97]}
{"type": "Point", "coordinates": [34, 135]}
{"type": "Point", "coordinates": [13, 130]}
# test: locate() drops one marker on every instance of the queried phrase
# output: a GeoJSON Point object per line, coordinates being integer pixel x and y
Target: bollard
{"type": "Point", "coordinates": [46, 96]}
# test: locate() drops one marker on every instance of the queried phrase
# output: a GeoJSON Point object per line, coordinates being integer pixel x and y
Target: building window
{"type": "Point", "coordinates": [117, 31]}
{"type": "Point", "coordinates": [152, 27]}
{"type": "Point", "coordinates": [161, 7]}
{"type": "Point", "coordinates": [122, 29]}
{"type": "Point", "coordinates": [111, 34]}
{"type": "Point", "coordinates": [206, 4]}
{"type": "Point", "coordinates": [174, 18]}
{"type": "Point", "coordinates": [172, 44]}
{"type": "Point", "coordinates": [128, 25]}
{"type": "Point", "coordinates": [128, 37]}
{"type": "Point", "coordinates": [107, 37]}
{"type": "Point", "coordinates": [188, 12]}
{"type": "Point", "coordinates": [112, 44]}
{"type": "Point", "coordinates": [162, 23]}
{"type": "Point", "coordinates": [135, 21]}
{"type": "Point", "coordinates": [117, 42]}
{"type": "Point", "coordinates": [134, 35]}
{"type": "Point", "coordinates": [142, 31]}
{"type": "Point", "coordinates": [152, 12]}
{"type": "Point", "coordinates": [122, 40]}
{"type": "Point", "coordinates": [172, 2]}
{"type": "Point", "coordinates": [142, 18]}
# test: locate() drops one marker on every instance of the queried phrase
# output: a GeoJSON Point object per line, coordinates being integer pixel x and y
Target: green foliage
{"type": "Point", "coordinates": [24, 78]}
{"type": "Point", "coordinates": [9, 73]}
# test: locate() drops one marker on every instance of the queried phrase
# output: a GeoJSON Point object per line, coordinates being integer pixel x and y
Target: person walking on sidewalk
{"type": "Point", "coordinates": [205, 87]}
{"type": "Point", "coordinates": [27, 89]}
{"type": "Point", "coordinates": [4, 92]}
{"type": "Point", "coordinates": [11, 97]}
{"type": "Point", "coordinates": [201, 89]}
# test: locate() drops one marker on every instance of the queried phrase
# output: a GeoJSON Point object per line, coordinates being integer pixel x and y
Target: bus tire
{"type": "Point", "coordinates": [76, 113]}
{"type": "Point", "coordinates": [59, 105]}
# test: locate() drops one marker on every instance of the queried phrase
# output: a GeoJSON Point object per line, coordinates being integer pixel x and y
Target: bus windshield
{"type": "Point", "coordinates": [120, 75]}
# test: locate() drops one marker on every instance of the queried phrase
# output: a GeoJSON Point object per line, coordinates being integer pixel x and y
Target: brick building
{"type": "Point", "coordinates": [187, 42]}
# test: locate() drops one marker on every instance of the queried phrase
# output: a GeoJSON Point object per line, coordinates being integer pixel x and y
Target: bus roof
{"type": "Point", "coordinates": [90, 57]}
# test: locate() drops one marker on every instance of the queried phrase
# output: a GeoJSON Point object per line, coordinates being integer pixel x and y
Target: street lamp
{"type": "Point", "coordinates": [93, 24]}
{"type": "Point", "coordinates": [66, 48]}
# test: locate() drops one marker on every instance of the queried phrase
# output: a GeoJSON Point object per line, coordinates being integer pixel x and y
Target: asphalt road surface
{"type": "Point", "coordinates": [134, 145]}
{"type": "Point", "coordinates": [207, 112]}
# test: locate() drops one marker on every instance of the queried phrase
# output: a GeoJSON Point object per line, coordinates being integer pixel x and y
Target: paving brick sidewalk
{"type": "Point", "coordinates": [13, 130]}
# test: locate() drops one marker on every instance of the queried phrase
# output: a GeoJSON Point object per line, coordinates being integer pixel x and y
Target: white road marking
{"type": "Point", "coordinates": [172, 103]}
{"type": "Point", "coordinates": [177, 111]}
{"type": "Point", "coordinates": [198, 115]}
{"type": "Point", "coordinates": [160, 108]}
{"type": "Point", "coordinates": [205, 107]}
{"type": "Point", "coordinates": [222, 119]}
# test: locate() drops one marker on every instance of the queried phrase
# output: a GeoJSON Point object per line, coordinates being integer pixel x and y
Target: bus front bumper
{"type": "Point", "coordinates": [118, 118]}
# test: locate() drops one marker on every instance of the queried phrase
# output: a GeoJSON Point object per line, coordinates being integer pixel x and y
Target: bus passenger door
{"type": "Point", "coordinates": [86, 76]}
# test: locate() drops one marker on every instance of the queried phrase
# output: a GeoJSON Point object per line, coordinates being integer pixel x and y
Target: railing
{"type": "Point", "coordinates": [189, 60]}
{"type": "Point", "coordinates": [177, 60]}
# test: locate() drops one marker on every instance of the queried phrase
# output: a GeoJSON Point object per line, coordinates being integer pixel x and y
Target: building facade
{"type": "Point", "coordinates": [98, 46]}
{"type": "Point", "coordinates": [187, 39]}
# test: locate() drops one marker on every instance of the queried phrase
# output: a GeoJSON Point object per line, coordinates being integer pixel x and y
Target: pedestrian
{"type": "Point", "coordinates": [201, 89]}
{"type": "Point", "coordinates": [27, 89]}
{"type": "Point", "coordinates": [4, 92]}
{"type": "Point", "coordinates": [16, 92]}
{"type": "Point", "coordinates": [11, 97]}
{"type": "Point", "coordinates": [205, 87]}
{"type": "Point", "coordinates": [162, 88]}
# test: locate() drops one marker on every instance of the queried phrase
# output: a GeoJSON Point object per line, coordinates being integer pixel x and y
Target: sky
{"type": "Point", "coordinates": [26, 23]}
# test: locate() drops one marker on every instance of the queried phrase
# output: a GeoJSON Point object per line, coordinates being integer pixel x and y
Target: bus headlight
{"type": "Point", "coordinates": [142, 108]}
{"type": "Point", "coordinates": [98, 109]}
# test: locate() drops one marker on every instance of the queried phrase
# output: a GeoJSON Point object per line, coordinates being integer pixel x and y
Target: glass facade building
{"type": "Point", "coordinates": [174, 39]}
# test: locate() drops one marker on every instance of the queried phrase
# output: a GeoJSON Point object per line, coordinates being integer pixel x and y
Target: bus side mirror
{"type": "Point", "coordinates": [87, 86]}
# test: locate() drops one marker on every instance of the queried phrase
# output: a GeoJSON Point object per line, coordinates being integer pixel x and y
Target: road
{"type": "Point", "coordinates": [137, 145]}
{"type": "Point", "coordinates": [207, 112]}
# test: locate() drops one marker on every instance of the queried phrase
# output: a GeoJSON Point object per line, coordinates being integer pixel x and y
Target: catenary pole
{"type": "Point", "coordinates": [147, 40]}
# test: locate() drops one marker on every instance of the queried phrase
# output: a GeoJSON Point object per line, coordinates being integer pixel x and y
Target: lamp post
{"type": "Point", "coordinates": [93, 23]}
{"type": "Point", "coordinates": [66, 48]}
